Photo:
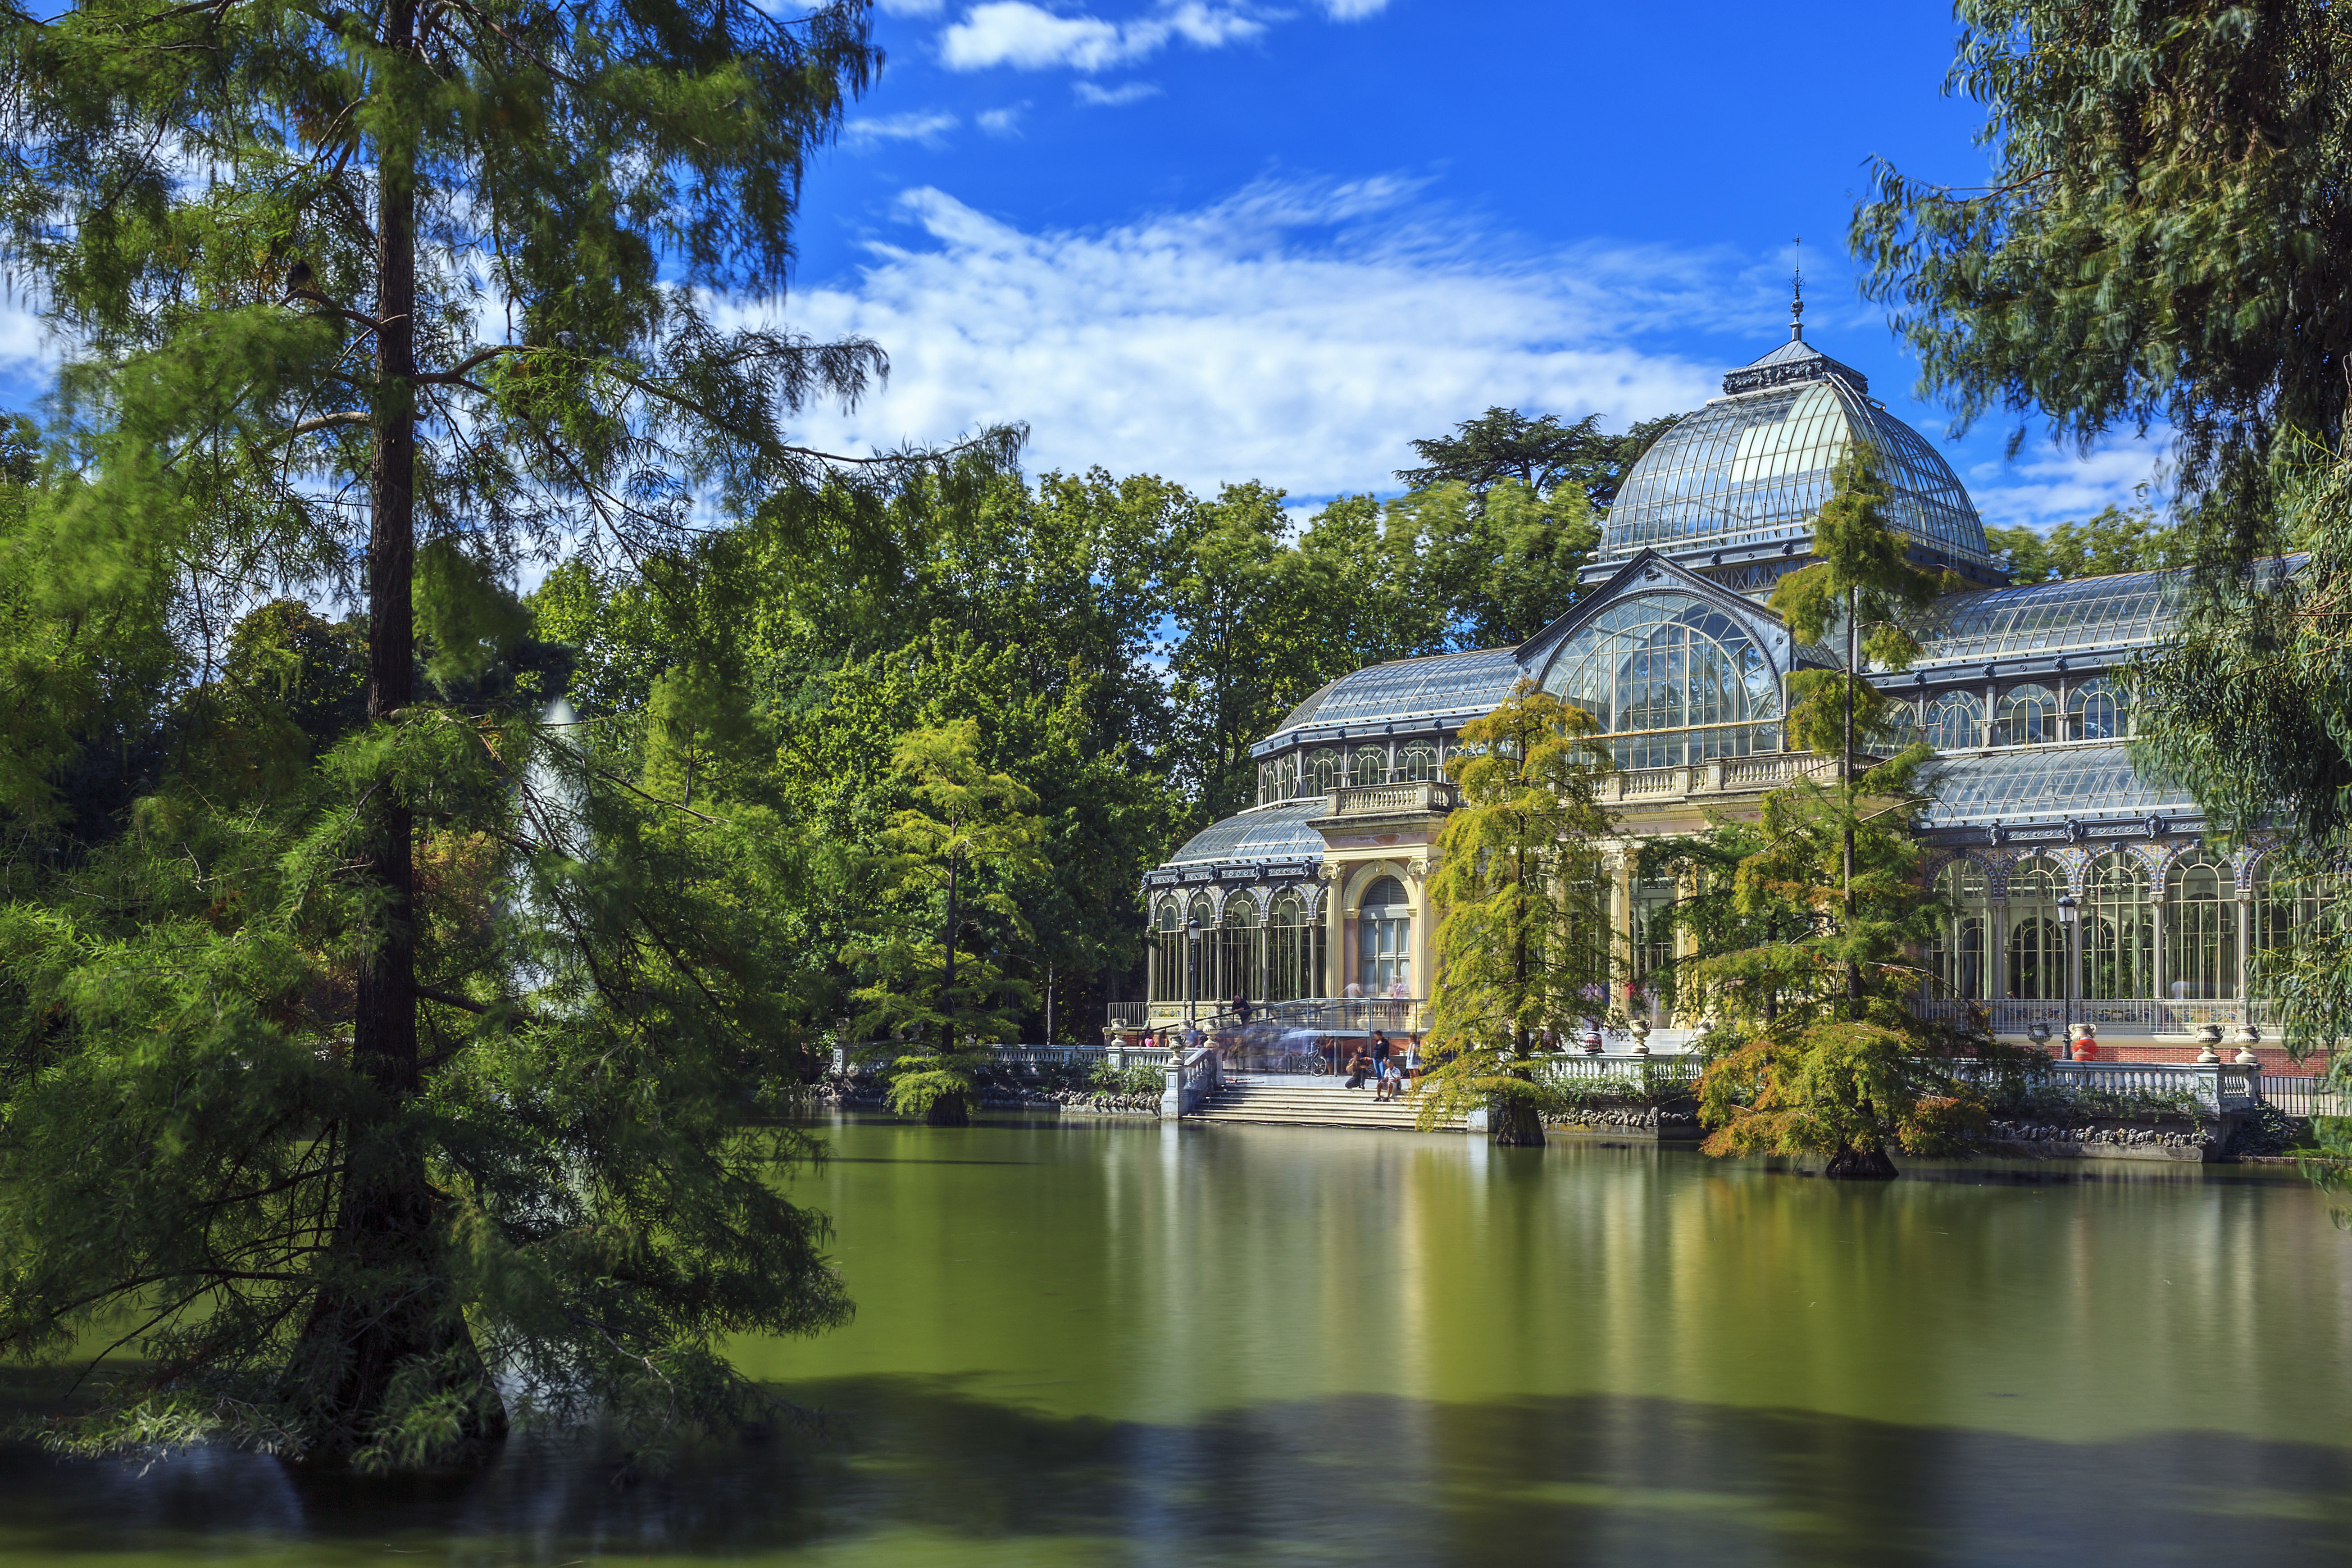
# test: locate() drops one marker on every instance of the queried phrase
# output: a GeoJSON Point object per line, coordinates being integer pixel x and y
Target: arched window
{"type": "Point", "coordinates": [1319, 772]}
{"type": "Point", "coordinates": [2097, 710]}
{"type": "Point", "coordinates": [2037, 936]}
{"type": "Point", "coordinates": [1673, 680]}
{"type": "Point", "coordinates": [1167, 951]}
{"type": "Point", "coordinates": [2201, 931]}
{"type": "Point", "coordinates": [1956, 721]}
{"type": "Point", "coordinates": [1294, 950]}
{"type": "Point", "coordinates": [1384, 939]}
{"type": "Point", "coordinates": [1238, 951]}
{"type": "Point", "coordinates": [2118, 929]}
{"type": "Point", "coordinates": [1369, 765]}
{"type": "Point", "coordinates": [1902, 726]}
{"type": "Point", "coordinates": [1419, 762]}
{"type": "Point", "coordinates": [1958, 958]}
{"type": "Point", "coordinates": [1265, 795]}
{"type": "Point", "coordinates": [2029, 717]}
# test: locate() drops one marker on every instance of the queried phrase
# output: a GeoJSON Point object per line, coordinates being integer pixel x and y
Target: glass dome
{"type": "Point", "coordinates": [1754, 467]}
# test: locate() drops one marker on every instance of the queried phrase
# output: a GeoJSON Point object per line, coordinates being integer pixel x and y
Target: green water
{"type": "Point", "coordinates": [1126, 1343]}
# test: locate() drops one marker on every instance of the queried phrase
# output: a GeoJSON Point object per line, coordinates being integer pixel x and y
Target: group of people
{"type": "Point", "coordinates": [1389, 1070]}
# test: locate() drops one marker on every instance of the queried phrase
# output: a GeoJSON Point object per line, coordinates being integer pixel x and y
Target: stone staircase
{"type": "Point", "coordinates": [1310, 1102]}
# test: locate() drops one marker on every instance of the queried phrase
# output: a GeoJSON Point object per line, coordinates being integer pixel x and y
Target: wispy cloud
{"type": "Point", "coordinates": [1027, 37]}
{"type": "Point", "coordinates": [1005, 121]}
{"type": "Point", "coordinates": [1298, 332]}
{"type": "Point", "coordinates": [1117, 96]}
{"type": "Point", "coordinates": [929, 127]}
{"type": "Point", "coordinates": [2050, 485]}
{"type": "Point", "coordinates": [1353, 10]}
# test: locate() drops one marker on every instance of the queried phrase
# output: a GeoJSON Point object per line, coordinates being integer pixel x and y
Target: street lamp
{"type": "Point", "coordinates": [2068, 911]}
{"type": "Point", "coordinates": [1192, 965]}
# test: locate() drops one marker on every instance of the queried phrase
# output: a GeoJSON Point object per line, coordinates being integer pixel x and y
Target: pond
{"type": "Point", "coordinates": [1130, 1343]}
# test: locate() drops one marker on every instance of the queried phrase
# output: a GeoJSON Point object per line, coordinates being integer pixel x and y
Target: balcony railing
{"type": "Point", "coordinates": [1422, 795]}
{"type": "Point", "coordinates": [1723, 776]}
{"type": "Point", "coordinates": [2125, 1015]}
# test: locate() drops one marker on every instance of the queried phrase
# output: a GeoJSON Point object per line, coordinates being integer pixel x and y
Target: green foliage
{"type": "Point", "coordinates": [951, 854]}
{"type": "Point", "coordinates": [370, 1057]}
{"type": "Point", "coordinates": [1819, 1052]}
{"type": "Point", "coordinates": [2114, 541]}
{"type": "Point", "coordinates": [2165, 237]}
{"type": "Point", "coordinates": [1502, 560]}
{"type": "Point", "coordinates": [1541, 454]}
{"type": "Point", "coordinates": [2247, 705]}
{"type": "Point", "coordinates": [1133, 1080]}
{"type": "Point", "coordinates": [1522, 932]}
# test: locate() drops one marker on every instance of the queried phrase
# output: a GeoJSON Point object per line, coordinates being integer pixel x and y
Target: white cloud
{"type": "Point", "coordinates": [1029, 37]}
{"type": "Point", "coordinates": [1298, 333]}
{"type": "Point", "coordinates": [1118, 96]}
{"type": "Point", "coordinates": [925, 7]}
{"type": "Point", "coordinates": [1005, 121]}
{"type": "Point", "coordinates": [926, 126]}
{"type": "Point", "coordinates": [1353, 10]}
{"type": "Point", "coordinates": [2050, 485]}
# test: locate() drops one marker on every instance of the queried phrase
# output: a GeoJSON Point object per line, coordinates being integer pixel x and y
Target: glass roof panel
{"type": "Point", "coordinates": [1266, 832]}
{"type": "Point", "coordinates": [2121, 612]}
{"type": "Point", "coordinates": [1413, 688]}
{"type": "Point", "coordinates": [2046, 784]}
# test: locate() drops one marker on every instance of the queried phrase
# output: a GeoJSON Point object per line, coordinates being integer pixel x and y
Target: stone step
{"type": "Point", "coordinates": [1332, 1107]}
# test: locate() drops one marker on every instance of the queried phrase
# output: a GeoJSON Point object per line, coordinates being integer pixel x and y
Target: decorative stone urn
{"type": "Point", "coordinates": [2208, 1039]}
{"type": "Point", "coordinates": [1641, 1030]}
{"type": "Point", "coordinates": [2248, 1039]}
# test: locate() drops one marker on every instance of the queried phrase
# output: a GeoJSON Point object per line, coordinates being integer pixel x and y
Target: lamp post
{"type": "Point", "coordinates": [2068, 909]}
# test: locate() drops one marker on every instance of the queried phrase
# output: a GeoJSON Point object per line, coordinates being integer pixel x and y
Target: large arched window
{"type": "Point", "coordinates": [2201, 931]}
{"type": "Point", "coordinates": [2096, 711]}
{"type": "Point", "coordinates": [1369, 765]}
{"type": "Point", "coordinates": [1384, 939]}
{"type": "Point", "coordinates": [1956, 721]}
{"type": "Point", "coordinates": [2029, 717]}
{"type": "Point", "coordinates": [2290, 909]}
{"type": "Point", "coordinates": [1319, 772]}
{"type": "Point", "coordinates": [1238, 951]}
{"type": "Point", "coordinates": [1419, 764]}
{"type": "Point", "coordinates": [1958, 958]}
{"type": "Point", "coordinates": [1294, 950]}
{"type": "Point", "coordinates": [2036, 952]}
{"type": "Point", "coordinates": [2118, 929]}
{"type": "Point", "coordinates": [1673, 680]}
{"type": "Point", "coordinates": [1167, 951]}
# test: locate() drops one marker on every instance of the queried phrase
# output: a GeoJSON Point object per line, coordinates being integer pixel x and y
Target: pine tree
{"type": "Point", "coordinates": [418, 1073]}
{"type": "Point", "coordinates": [1522, 910]}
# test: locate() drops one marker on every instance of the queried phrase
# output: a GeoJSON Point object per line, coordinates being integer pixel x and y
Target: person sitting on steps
{"type": "Point", "coordinates": [1358, 1066]}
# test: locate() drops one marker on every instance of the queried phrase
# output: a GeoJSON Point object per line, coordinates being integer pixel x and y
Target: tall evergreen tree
{"type": "Point", "coordinates": [389, 297]}
{"type": "Point", "coordinates": [1522, 909]}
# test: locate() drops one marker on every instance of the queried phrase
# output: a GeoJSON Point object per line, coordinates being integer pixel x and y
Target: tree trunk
{"type": "Point", "coordinates": [948, 1110]}
{"type": "Point", "coordinates": [1871, 1165]}
{"type": "Point", "coordinates": [1845, 767]}
{"type": "Point", "coordinates": [1515, 1124]}
{"type": "Point", "coordinates": [385, 1300]}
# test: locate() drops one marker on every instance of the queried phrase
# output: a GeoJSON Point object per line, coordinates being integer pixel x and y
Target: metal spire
{"type": "Point", "coordinates": [1797, 295]}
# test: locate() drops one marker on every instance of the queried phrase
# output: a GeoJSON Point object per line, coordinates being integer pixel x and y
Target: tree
{"type": "Point", "coordinates": [1862, 577]}
{"type": "Point", "coordinates": [1499, 564]}
{"type": "Point", "coordinates": [2167, 236]}
{"type": "Point", "coordinates": [2114, 541]}
{"type": "Point", "coordinates": [1523, 914]}
{"type": "Point", "coordinates": [1541, 454]}
{"type": "Point", "coordinates": [951, 854]}
{"type": "Point", "coordinates": [1807, 966]}
{"type": "Point", "coordinates": [456, 1147]}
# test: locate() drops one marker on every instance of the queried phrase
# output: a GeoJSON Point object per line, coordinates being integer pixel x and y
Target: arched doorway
{"type": "Point", "coordinates": [1385, 939]}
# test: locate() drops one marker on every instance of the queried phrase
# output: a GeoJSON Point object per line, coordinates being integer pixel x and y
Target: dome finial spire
{"type": "Point", "coordinates": [1797, 294]}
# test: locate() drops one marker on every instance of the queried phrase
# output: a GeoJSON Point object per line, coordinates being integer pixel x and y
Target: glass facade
{"type": "Point", "coordinates": [2119, 613]}
{"type": "Point", "coordinates": [2118, 929]}
{"type": "Point", "coordinates": [1673, 680]}
{"type": "Point", "coordinates": [1385, 939]}
{"type": "Point", "coordinates": [1413, 688]}
{"type": "Point", "coordinates": [2035, 967]}
{"type": "Point", "coordinates": [2200, 933]}
{"type": "Point", "coordinates": [1957, 957]}
{"type": "Point", "coordinates": [2047, 784]}
{"type": "Point", "coordinates": [1755, 469]}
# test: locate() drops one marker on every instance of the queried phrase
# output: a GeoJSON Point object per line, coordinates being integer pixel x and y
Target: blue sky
{"type": "Point", "coordinates": [1223, 240]}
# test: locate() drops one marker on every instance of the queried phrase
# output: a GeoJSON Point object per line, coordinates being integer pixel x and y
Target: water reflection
{"type": "Point", "coordinates": [1137, 1344]}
